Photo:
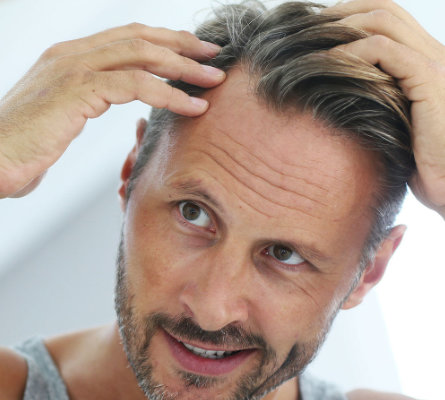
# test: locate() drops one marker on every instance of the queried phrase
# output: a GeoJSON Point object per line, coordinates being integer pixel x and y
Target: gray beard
{"type": "Point", "coordinates": [136, 336]}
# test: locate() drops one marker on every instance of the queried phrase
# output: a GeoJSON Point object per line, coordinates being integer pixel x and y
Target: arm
{"type": "Point", "coordinates": [80, 79]}
{"type": "Point", "coordinates": [13, 372]}
{"type": "Point", "coordinates": [402, 48]}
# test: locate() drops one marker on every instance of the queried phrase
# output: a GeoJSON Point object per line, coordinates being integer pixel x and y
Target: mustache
{"type": "Point", "coordinates": [185, 328]}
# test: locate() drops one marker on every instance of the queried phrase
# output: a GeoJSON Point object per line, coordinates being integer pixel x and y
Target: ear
{"type": "Point", "coordinates": [376, 268]}
{"type": "Point", "coordinates": [128, 166]}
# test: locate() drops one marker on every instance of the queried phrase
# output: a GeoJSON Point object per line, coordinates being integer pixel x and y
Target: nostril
{"type": "Point", "coordinates": [213, 302]}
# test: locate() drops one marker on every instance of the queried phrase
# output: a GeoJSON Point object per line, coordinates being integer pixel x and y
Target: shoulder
{"type": "Point", "coordinates": [365, 394]}
{"type": "Point", "coordinates": [13, 373]}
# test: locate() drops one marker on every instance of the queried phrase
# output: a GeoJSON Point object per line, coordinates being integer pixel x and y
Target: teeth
{"type": "Point", "coordinates": [207, 353]}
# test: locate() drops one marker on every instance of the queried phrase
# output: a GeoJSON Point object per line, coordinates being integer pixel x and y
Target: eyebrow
{"type": "Point", "coordinates": [306, 251]}
{"type": "Point", "coordinates": [193, 187]}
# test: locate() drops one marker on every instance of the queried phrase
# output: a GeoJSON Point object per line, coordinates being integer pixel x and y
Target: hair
{"type": "Point", "coordinates": [284, 51]}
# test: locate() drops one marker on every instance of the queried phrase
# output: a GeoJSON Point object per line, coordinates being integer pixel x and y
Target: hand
{"type": "Point", "coordinates": [403, 49]}
{"type": "Point", "coordinates": [76, 80]}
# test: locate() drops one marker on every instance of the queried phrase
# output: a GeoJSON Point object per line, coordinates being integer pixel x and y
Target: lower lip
{"type": "Point", "coordinates": [205, 366]}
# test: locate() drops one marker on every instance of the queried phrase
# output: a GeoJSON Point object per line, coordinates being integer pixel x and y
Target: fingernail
{"type": "Point", "coordinates": [213, 71]}
{"type": "Point", "coordinates": [212, 47]}
{"type": "Point", "coordinates": [198, 102]}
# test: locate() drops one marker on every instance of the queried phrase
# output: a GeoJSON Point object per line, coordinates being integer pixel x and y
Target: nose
{"type": "Point", "coordinates": [216, 292]}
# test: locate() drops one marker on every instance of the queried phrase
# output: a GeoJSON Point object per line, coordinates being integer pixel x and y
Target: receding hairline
{"type": "Point", "coordinates": [371, 105]}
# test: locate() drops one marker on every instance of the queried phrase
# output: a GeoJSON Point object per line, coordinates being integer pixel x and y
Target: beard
{"type": "Point", "coordinates": [137, 332]}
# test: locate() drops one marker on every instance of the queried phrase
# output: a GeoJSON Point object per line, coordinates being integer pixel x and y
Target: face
{"type": "Point", "coordinates": [241, 241]}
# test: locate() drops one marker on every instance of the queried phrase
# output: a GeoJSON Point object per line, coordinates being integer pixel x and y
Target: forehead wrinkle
{"type": "Point", "coordinates": [345, 183]}
{"type": "Point", "coordinates": [195, 183]}
{"type": "Point", "coordinates": [282, 177]}
{"type": "Point", "coordinates": [246, 185]}
{"type": "Point", "coordinates": [235, 194]}
{"type": "Point", "coordinates": [279, 160]}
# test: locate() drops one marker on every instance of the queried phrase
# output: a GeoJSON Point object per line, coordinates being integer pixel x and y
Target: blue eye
{"type": "Point", "coordinates": [284, 254]}
{"type": "Point", "coordinates": [194, 214]}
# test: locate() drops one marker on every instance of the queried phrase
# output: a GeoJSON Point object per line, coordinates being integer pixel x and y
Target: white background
{"type": "Point", "coordinates": [57, 245]}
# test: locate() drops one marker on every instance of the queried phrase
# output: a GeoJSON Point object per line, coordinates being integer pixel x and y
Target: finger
{"type": "Point", "coordinates": [382, 22]}
{"type": "Point", "coordinates": [28, 188]}
{"type": "Point", "coordinates": [138, 53]}
{"type": "Point", "coordinates": [181, 42]}
{"type": "Point", "coordinates": [412, 69]}
{"type": "Point", "coordinates": [430, 190]}
{"type": "Point", "coordinates": [119, 87]}
{"type": "Point", "coordinates": [366, 6]}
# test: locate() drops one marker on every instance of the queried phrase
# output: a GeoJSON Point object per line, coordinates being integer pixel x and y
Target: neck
{"type": "Point", "coordinates": [120, 375]}
{"type": "Point", "coordinates": [286, 391]}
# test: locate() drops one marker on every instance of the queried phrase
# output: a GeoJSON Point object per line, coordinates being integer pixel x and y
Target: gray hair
{"type": "Point", "coordinates": [284, 51]}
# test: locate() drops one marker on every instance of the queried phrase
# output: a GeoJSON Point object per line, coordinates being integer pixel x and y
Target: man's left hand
{"type": "Point", "coordinates": [403, 49]}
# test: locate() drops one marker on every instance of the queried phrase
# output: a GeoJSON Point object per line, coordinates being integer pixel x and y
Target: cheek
{"type": "Point", "coordinates": [297, 311]}
{"type": "Point", "coordinates": [151, 254]}
{"type": "Point", "coordinates": [159, 259]}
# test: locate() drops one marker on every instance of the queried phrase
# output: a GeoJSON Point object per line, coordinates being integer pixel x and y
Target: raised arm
{"type": "Point", "coordinates": [79, 79]}
{"type": "Point", "coordinates": [402, 48]}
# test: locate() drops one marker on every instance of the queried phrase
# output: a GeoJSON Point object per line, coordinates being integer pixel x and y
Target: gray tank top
{"type": "Point", "coordinates": [45, 383]}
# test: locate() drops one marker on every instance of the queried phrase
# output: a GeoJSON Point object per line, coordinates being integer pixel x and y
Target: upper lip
{"type": "Point", "coordinates": [207, 346]}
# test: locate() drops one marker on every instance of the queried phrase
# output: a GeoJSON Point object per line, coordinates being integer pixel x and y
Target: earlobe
{"type": "Point", "coordinates": [129, 163]}
{"type": "Point", "coordinates": [375, 270]}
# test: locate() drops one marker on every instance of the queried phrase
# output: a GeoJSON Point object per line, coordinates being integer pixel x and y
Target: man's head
{"type": "Point", "coordinates": [246, 227]}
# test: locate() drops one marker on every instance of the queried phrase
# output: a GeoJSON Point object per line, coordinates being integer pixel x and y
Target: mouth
{"type": "Point", "coordinates": [206, 361]}
{"type": "Point", "coordinates": [211, 354]}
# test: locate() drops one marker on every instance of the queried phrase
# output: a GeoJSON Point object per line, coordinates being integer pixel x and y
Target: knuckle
{"type": "Point", "coordinates": [169, 99]}
{"type": "Point", "coordinates": [186, 35]}
{"type": "Point", "coordinates": [68, 73]}
{"type": "Point", "coordinates": [436, 69]}
{"type": "Point", "coordinates": [137, 45]}
{"type": "Point", "coordinates": [141, 85]}
{"type": "Point", "coordinates": [54, 50]}
{"type": "Point", "coordinates": [136, 27]}
{"type": "Point", "coordinates": [381, 41]}
{"type": "Point", "coordinates": [185, 39]}
{"type": "Point", "coordinates": [382, 16]}
{"type": "Point", "coordinates": [163, 53]}
{"type": "Point", "coordinates": [385, 4]}
{"type": "Point", "coordinates": [141, 76]}
{"type": "Point", "coordinates": [174, 98]}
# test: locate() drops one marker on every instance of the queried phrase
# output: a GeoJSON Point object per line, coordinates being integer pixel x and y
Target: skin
{"type": "Point", "coordinates": [273, 188]}
{"type": "Point", "coordinates": [81, 79]}
{"type": "Point", "coordinates": [406, 51]}
{"type": "Point", "coordinates": [89, 68]}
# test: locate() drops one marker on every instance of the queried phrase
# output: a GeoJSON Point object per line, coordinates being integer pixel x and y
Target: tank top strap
{"type": "Point", "coordinates": [44, 380]}
{"type": "Point", "coordinates": [312, 388]}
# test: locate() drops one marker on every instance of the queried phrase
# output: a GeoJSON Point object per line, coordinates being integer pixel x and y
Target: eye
{"type": "Point", "coordinates": [284, 254]}
{"type": "Point", "coordinates": [194, 214]}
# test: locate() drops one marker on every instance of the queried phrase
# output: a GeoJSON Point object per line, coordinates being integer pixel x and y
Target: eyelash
{"type": "Point", "coordinates": [265, 252]}
{"type": "Point", "coordinates": [212, 228]}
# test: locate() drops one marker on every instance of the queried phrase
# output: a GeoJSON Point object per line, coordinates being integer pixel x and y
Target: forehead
{"type": "Point", "coordinates": [285, 171]}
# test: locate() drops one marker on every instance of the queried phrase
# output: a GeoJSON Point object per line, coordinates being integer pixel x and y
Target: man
{"type": "Point", "coordinates": [250, 225]}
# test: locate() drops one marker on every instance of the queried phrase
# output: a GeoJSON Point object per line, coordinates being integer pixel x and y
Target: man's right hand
{"type": "Point", "coordinates": [76, 80]}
